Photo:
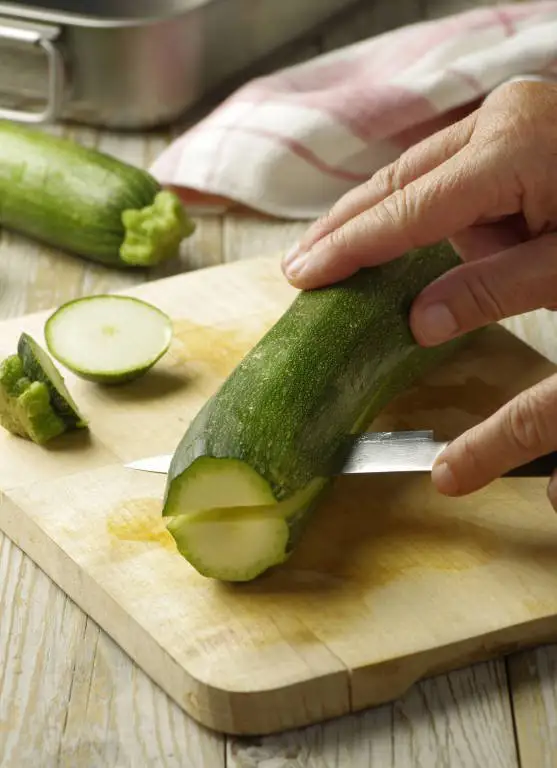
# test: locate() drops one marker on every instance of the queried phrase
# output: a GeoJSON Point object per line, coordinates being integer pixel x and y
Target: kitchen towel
{"type": "Point", "coordinates": [291, 143]}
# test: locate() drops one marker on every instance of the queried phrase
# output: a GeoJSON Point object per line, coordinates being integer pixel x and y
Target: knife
{"type": "Point", "coordinates": [384, 452]}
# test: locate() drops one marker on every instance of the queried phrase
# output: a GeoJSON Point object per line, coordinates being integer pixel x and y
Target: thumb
{"type": "Point", "coordinates": [520, 279]}
{"type": "Point", "coordinates": [520, 431]}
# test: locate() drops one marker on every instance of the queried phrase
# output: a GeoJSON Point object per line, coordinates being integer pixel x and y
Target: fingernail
{"type": "Point", "coordinates": [291, 255]}
{"type": "Point", "coordinates": [444, 479]}
{"type": "Point", "coordinates": [295, 263]}
{"type": "Point", "coordinates": [437, 323]}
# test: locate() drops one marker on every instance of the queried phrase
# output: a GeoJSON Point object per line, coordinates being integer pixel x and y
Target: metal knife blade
{"type": "Point", "coordinates": [383, 452]}
{"type": "Point", "coordinates": [370, 452]}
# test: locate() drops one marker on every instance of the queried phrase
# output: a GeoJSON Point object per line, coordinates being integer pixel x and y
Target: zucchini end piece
{"type": "Point", "coordinates": [153, 234]}
{"type": "Point", "coordinates": [25, 408]}
{"type": "Point", "coordinates": [38, 366]}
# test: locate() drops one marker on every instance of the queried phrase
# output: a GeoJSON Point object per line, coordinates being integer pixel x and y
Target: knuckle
{"type": "Point", "coordinates": [385, 179]}
{"type": "Point", "coordinates": [394, 210]}
{"type": "Point", "coordinates": [487, 304]}
{"type": "Point", "coordinates": [526, 421]}
{"type": "Point", "coordinates": [468, 453]}
{"type": "Point", "coordinates": [337, 241]}
{"type": "Point", "coordinates": [326, 222]}
{"type": "Point", "coordinates": [519, 99]}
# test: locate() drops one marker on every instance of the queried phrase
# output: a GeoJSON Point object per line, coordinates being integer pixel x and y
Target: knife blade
{"type": "Point", "coordinates": [381, 453]}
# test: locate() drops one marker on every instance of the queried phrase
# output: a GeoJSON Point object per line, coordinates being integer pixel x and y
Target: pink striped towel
{"type": "Point", "coordinates": [290, 144]}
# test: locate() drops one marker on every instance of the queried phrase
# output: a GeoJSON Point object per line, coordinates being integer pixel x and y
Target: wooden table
{"type": "Point", "coordinates": [69, 697]}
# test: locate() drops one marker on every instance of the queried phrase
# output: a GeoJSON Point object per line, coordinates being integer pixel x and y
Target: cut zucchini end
{"type": "Point", "coordinates": [210, 483]}
{"type": "Point", "coordinates": [27, 406]}
{"type": "Point", "coordinates": [108, 339]}
{"type": "Point", "coordinates": [153, 234]}
{"type": "Point", "coordinates": [38, 366]}
{"type": "Point", "coordinates": [226, 521]}
{"type": "Point", "coordinates": [233, 545]}
{"type": "Point", "coordinates": [34, 410]}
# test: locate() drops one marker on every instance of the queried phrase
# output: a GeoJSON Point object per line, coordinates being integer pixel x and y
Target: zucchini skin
{"type": "Point", "coordinates": [324, 371]}
{"type": "Point", "coordinates": [67, 195]}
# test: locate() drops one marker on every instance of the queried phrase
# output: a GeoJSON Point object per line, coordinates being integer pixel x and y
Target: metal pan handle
{"type": "Point", "coordinates": [44, 37]}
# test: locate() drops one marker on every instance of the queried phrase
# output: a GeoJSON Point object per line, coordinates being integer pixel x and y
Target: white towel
{"type": "Point", "coordinates": [290, 144]}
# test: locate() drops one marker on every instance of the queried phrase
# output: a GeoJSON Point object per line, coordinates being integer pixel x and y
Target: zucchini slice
{"type": "Point", "coordinates": [263, 448]}
{"type": "Point", "coordinates": [86, 202]}
{"type": "Point", "coordinates": [108, 339]}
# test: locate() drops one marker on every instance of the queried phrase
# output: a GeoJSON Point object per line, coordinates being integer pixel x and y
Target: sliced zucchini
{"type": "Point", "coordinates": [34, 400]}
{"type": "Point", "coordinates": [275, 428]}
{"type": "Point", "coordinates": [236, 543]}
{"type": "Point", "coordinates": [38, 366]}
{"type": "Point", "coordinates": [85, 201]}
{"type": "Point", "coordinates": [25, 407]}
{"type": "Point", "coordinates": [108, 339]}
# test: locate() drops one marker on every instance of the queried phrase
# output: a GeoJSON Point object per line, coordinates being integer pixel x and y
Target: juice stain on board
{"type": "Point", "coordinates": [140, 520]}
{"type": "Point", "coordinates": [218, 348]}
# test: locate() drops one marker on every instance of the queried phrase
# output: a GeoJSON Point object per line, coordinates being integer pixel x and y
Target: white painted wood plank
{"type": "Point", "coordinates": [70, 698]}
{"type": "Point", "coordinates": [461, 720]}
{"type": "Point", "coordinates": [533, 679]}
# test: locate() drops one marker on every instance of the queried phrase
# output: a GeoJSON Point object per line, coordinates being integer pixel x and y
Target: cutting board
{"type": "Point", "coordinates": [391, 582]}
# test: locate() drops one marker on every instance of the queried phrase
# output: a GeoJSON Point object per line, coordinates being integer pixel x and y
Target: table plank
{"type": "Point", "coordinates": [461, 720]}
{"type": "Point", "coordinates": [533, 677]}
{"type": "Point", "coordinates": [69, 694]}
{"type": "Point", "coordinates": [67, 686]}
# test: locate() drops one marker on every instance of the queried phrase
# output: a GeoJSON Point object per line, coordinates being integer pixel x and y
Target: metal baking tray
{"type": "Point", "coordinates": [136, 63]}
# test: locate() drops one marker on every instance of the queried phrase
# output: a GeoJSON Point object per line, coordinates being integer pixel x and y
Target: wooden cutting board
{"type": "Point", "coordinates": [391, 583]}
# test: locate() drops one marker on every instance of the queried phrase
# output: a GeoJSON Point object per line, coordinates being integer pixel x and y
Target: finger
{"type": "Point", "coordinates": [520, 431]}
{"type": "Point", "coordinates": [484, 240]}
{"type": "Point", "coordinates": [470, 296]}
{"type": "Point", "coordinates": [413, 163]}
{"type": "Point", "coordinates": [438, 205]}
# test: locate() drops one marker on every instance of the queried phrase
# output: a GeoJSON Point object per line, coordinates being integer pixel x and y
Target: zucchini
{"type": "Point", "coordinates": [86, 202]}
{"type": "Point", "coordinates": [38, 366]}
{"type": "Point", "coordinates": [108, 339]}
{"type": "Point", "coordinates": [34, 401]}
{"type": "Point", "coordinates": [259, 454]}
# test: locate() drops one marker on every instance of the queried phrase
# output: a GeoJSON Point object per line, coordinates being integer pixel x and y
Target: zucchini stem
{"type": "Point", "coordinates": [153, 234]}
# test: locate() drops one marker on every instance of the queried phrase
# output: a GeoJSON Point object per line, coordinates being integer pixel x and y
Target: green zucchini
{"type": "Point", "coordinates": [261, 451]}
{"type": "Point", "coordinates": [86, 202]}
{"type": "Point", "coordinates": [107, 338]}
{"type": "Point", "coordinates": [37, 366]}
{"type": "Point", "coordinates": [34, 401]}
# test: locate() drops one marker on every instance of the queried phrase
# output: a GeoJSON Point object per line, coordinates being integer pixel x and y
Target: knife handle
{"type": "Point", "coordinates": [543, 466]}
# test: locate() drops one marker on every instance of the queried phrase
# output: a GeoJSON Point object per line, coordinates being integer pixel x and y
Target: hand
{"type": "Point", "coordinates": [489, 184]}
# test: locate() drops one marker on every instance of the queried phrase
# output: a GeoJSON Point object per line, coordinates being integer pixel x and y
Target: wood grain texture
{"type": "Point", "coordinates": [34, 278]}
{"type": "Point", "coordinates": [69, 694]}
{"type": "Point", "coordinates": [415, 585]}
{"type": "Point", "coordinates": [533, 679]}
{"type": "Point", "coordinates": [460, 720]}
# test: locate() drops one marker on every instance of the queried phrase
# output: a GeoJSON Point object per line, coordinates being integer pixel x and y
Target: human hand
{"type": "Point", "coordinates": [488, 183]}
